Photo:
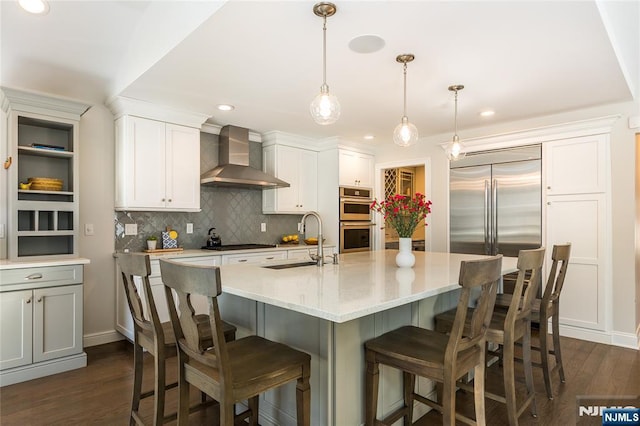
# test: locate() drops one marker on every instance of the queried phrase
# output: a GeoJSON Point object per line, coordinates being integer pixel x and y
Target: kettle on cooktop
{"type": "Point", "coordinates": [214, 239]}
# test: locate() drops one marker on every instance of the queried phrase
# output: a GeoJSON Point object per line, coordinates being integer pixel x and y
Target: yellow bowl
{"type": "Point", "coordinates": [312, 242]}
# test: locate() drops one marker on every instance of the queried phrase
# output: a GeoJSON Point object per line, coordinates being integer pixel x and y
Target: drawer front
{"type": "Point", "coordinates": [49, 276]}
{"type": "Point", "coordinates": [233, 259]}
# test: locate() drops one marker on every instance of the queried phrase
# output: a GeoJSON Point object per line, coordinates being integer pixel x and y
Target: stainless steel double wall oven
{"type": "Point", "coordinates": [356, 225]}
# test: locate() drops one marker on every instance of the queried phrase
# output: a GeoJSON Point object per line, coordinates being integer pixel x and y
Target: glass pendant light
{"type": "Point", "coordinates": [455, 150]}
{"type": "Point", "coordinates": [325, 108]}
{"type": "Point", "coordinates": [405, 133]}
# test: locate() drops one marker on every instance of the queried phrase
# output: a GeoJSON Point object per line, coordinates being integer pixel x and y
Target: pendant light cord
{"type": "Point", "coordinates": [455, 115]}
{"type": "Point", "coordinates": [405, 90]}
{"type": "Point", "coordinates": [324, 52]}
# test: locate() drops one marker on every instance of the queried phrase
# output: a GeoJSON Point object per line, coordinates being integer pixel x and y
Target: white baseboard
{"type": "Point", "coordinates": [96, 339]}
{"type": "Point", "coordinates": [626, 340]}
{"type": "Point", "coordinates": [616, 338]}
{"type": "Point", "coordinates": [41, 369]}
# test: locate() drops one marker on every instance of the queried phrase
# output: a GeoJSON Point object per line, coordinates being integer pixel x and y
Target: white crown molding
{"type": "Point", "coordinates": [43, 104]}
{"type": "Point", "coordinates": [121, 105]}
{"type": "Point", "coordinates": [337, 143]}
{"type": "Point", "coordinates": [277, 137]}
{"type": "Point", "coordinates": [595, 126]}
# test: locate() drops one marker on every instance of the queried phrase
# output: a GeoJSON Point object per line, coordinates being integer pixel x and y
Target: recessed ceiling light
{"type": "Point", "coordinates": [226, 107]}
{"type": "Point", "coordinates": [487, 113]}
{"type": "Point", "coordinates": [37, 7]}
{"type": "Point", "coordinates": [369, 137]}
{"type": "Point", "coordinates": [367, 43]}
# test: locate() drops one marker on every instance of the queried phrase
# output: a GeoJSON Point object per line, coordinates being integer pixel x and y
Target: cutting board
{"type": "Point", "coordinates": [164, 250]}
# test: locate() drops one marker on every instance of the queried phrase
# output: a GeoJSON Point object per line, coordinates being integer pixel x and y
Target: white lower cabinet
{"type": "Point", "coordinates": [16, 328]}
{"type": "Point", "coordinates": [40, 328]}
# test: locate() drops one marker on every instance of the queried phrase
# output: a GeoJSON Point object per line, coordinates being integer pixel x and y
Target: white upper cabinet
{"type": "Point", "coordinates": [299, 168]}
{"type": "Point", "coordinates": [355, 168]}
{"type": "Point", "coordinates": [576, 165]}
{"type": "Point", "coordinates": [157, 165]}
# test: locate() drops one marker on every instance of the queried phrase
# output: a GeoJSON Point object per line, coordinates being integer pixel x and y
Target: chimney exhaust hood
{"type": "Point", "coordinates": [233, 168]}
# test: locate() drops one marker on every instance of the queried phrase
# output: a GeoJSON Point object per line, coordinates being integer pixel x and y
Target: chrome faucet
{"type": "Point", "coordinates": [319, 257]}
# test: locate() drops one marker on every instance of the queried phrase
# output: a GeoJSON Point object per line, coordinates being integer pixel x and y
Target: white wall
{"type": "Point", "coordinates": [624, 320]}
{"type": "Point", "coordinates": [97, 183]}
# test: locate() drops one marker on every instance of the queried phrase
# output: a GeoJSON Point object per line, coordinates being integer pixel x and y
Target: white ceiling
{"type": "Point", "coordinates": [522, 58]}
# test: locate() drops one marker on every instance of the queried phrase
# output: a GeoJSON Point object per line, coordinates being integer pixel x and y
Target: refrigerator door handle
{"type": "Point", "coordinates": [494, 211]}
{"type": "Point", "coordinates": [487, 225]}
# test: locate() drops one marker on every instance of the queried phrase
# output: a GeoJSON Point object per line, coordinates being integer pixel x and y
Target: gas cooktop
{"type": "Point", "coordinates": [239, 247]}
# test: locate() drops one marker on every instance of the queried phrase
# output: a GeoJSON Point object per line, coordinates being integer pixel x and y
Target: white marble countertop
{"type": "Point", "coordinates": [360, 284]}
{"type": "Point", "coordinates": [42, 262]}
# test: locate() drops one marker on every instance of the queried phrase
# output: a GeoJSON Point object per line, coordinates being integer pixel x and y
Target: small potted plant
{"type": "Point", "coordinates": [152, 241]}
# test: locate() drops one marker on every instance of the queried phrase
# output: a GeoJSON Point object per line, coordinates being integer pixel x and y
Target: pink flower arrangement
{"type": "Point", "coordinates": [403, 213]}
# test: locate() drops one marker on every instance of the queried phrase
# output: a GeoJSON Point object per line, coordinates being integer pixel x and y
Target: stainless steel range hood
{"type": "Point", "coordinates": [233, 168]}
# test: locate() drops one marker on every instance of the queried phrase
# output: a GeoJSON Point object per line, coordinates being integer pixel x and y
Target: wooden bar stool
{"type": "Point", "coordinates": [545, 308]}
{"type": "Point", "coordinates": [434, 355]}
{"type": "Point", "coordinates": [229, 372]}
{"type": "Point", "coordinates": [508, 327]}
{"type": "Point", "coordinates": [151, 335]}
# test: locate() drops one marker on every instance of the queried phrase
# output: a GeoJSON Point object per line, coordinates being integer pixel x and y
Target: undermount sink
{"type": "Point", "coordinates": [291, 265]}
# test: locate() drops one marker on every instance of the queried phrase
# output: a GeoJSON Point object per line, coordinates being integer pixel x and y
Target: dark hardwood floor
{"type": "Point", "coordinates": [100, 393]}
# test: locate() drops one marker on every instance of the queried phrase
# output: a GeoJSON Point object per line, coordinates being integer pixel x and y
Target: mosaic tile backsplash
{"type": "Point", "coordinates": [236, 213]}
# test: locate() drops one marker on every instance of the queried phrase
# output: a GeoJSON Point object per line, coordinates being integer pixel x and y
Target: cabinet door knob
{"type": "Point", "coordinates": [242, 260]}
{"type": "Point", "coordinates": [39, 299]}
{"type": "Point", "coordinates": [29, 300]}
{"type": "Point", "coordinates": [169, 199]}
{"type": "Point", "coordinates": [163, 200]}
{"type": "Point", "coordinates": [548, 187]}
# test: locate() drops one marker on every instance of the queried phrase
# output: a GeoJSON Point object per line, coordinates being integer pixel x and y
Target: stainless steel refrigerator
{"type": "Point", "coordinates": [496, 201]}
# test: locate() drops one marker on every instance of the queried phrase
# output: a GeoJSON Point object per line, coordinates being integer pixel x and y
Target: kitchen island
{"type": "Point", "coordinates": [330, 311]}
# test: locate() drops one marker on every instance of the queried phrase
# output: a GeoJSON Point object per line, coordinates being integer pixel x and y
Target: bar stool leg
{"type": "Point", "coordinates": [303, 401]}
{"type": "Point", "coordinates": [409, 381]}
{"type": "Point", "coordinates": [555, 321]}
{"type": "Point", "coordinates": [528, 369]}
{"type": "Point", "coordinates": [137, 381]}
{"type": "Point", "coordinates": [227, 414]}
{"type": "Point", "coordinates": [371, 392]}
{"type": "Point", "coordinates": [544, 355]}
{"type": "Point", "coordinates": [254, 407]}
{"type": "Point", "coordinates": [158, 396]}
{"type": "Point", "coordinates": [478, 390]}
{"type": "Point", "coordinates": [509, 380]}
{"type": "Point", "coordinates": [448, 398]}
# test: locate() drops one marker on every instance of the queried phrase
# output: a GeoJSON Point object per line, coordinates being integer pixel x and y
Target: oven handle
{"type": "Point", "coordinates": [356, 200]}
{"type": "Point", "coordinates": [356, 224]}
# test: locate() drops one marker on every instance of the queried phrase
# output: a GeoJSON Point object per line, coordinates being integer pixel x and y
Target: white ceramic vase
{"type": "Point", "coordinates": [151, 244]}
{"type": "Point", "coordinates": [405, 257]}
